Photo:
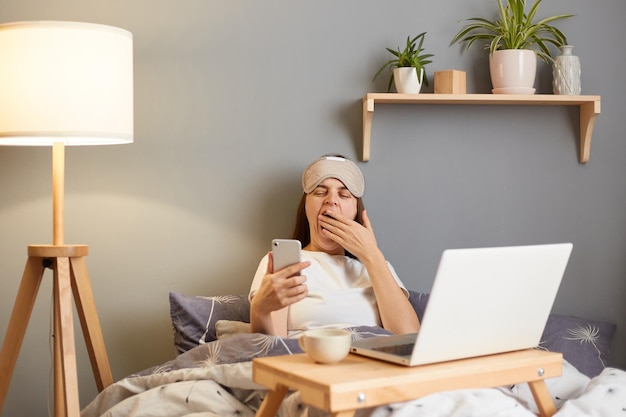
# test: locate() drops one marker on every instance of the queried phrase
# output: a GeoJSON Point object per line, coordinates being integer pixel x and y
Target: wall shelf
{"type": "Point", "coordinates": [589, 109]}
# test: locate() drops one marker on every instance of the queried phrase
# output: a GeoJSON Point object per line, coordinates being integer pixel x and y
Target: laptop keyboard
{"type": "Point", "coordinates": [401, 350]}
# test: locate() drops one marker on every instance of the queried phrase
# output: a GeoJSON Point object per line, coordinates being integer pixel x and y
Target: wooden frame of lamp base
{"type": "Point", "coordinates": [70, 277]}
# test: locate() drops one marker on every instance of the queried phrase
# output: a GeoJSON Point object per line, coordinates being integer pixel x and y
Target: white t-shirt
{"type": "Point", "coordinates": [340, 293]}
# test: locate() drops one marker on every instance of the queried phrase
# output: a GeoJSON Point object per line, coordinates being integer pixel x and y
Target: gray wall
{"type": "Point", "coordinates": [234, 98]}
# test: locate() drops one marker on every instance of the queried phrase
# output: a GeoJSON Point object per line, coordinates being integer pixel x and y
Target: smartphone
{"type": "Point", "coordinates": [285, 252]}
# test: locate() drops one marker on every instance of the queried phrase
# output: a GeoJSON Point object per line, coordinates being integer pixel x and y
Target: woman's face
{"type": "Point", "coordinates": [330, 195]}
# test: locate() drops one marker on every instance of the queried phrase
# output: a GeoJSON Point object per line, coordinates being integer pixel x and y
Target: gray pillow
{"type": "Point", "coordinates": [418, 301]}
{"type": "Point", "coordinates": [194, 317]}
{"type": "Point", "coordinates": [584, 343]}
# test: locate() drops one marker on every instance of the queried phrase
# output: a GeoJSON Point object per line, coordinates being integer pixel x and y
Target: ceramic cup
{"type": "Point", "coordinates": [326, 345]}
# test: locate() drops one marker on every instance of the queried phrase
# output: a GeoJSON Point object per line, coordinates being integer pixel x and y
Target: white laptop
{"type": "Point", "coordinates": [483, 301]}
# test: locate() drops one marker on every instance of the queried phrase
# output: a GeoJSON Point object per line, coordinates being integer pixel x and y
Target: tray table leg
{"type": "Point", "coordinates": [542, 398]}
{"type": "Point", "coordinates": [272, 401]}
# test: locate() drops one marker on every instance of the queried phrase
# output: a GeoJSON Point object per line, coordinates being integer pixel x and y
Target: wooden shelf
{"type": "Point", "coordinates": [589, 109]}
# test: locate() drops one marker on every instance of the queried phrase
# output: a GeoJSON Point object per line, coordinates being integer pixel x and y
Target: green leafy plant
{"type": "Point", "coordinates": [514, 29]}
{"type": "Point", "coordinates": [411, 56]}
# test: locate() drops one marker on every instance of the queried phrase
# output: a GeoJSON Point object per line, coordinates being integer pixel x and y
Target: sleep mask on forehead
{"type": "Point", "coordinates": [337, 167]}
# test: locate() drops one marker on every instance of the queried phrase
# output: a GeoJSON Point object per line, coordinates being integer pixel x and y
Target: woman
{"type": "Point", "coordinates": [344, 279]}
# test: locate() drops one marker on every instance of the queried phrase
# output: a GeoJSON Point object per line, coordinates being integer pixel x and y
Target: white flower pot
{"type": "Point", "coordinates": [513, 71]}
{"type": "Point", "coordinates": [407, 81]}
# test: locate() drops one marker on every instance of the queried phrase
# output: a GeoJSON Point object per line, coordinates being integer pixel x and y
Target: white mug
{"type": "Point", "coordinates": [326, 345]}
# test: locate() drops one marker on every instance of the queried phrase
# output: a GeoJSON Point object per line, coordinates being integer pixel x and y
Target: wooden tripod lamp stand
{"type": "Point", "coordinates": [62, 83]}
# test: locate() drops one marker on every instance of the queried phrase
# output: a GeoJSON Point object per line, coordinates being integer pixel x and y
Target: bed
{"type": "Point", "coordinates": [211, 376]}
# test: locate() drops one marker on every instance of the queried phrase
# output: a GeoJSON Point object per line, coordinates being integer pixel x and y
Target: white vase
{"type": "Point", "coordinates": [566, 73]}
{"type": "Point", "coordinates": [513, 71]}
{"type": "Point", "coordinates": [407, 81]}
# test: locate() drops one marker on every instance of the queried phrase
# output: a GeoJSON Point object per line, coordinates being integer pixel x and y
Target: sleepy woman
{"type": "Point", "coordinates": [344, 279]}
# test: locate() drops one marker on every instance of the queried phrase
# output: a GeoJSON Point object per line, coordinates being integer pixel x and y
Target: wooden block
{"type": "Point", "coordinates": [450, 82]}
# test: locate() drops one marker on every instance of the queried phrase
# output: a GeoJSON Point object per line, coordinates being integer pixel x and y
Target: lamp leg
{"type": "Point", "coordinates": [26, 295]}
{"type": "Point", "coordinates": [90, 323]}
{"type": "Point", "coordinates": [59, 389]}
{"type": "Point", "coordinates": [66, 392]}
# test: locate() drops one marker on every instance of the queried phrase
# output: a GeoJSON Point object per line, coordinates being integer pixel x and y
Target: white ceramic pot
{"type": "Point", "coordinates": [407, 81]}
{"type": "Point", "coordinates": [513, 71]}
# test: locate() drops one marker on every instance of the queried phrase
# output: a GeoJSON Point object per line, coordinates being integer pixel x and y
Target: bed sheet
{"type": "Point", "coordinates": [215, 379]}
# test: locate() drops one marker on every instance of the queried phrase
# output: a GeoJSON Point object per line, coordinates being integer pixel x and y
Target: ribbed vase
{"type": "Point", "coordinates": [566, 73]}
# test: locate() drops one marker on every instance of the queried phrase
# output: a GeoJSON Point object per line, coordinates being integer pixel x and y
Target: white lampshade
{"type": "Point", "coordinates": [65, 82]}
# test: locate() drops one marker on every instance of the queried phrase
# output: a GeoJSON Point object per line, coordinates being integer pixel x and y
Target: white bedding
{"type": "Point", "coordinates": [200, 384]}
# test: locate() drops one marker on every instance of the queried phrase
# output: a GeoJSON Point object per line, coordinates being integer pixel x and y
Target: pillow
{"type": "Point", "coordinates": [227, 328]}
{"type": "Point", "coordinates": [418, 301]}
{"type": "Point", "coordinates": [584, 343]}
{"type": "Point", "coordinates": [194, 317]}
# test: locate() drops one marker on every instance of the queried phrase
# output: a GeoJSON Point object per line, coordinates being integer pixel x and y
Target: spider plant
{"type": "Point", "coordinates": [514, 29]}
{"type": "Point", "coordinates": [411, 56]}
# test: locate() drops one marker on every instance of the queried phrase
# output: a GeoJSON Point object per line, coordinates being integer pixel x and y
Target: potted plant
{"type": "Point", "coordinates": [407, 67]}
{"type": "Point", "coordinates": [514, 40]}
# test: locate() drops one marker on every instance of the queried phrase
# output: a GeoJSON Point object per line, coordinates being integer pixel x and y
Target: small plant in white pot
{"type": "Point", "coordinates": [407, 70]}
{"type": "Point", "coordinates": [514, 41]}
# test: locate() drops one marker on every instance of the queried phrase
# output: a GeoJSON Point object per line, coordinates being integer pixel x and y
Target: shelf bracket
{"type": "Point", "coordinates": [368, 115]}
{"type": "Point", "coordinates": [588, 113]}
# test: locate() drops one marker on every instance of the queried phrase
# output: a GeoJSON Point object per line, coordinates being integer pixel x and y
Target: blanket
{"type": "Point", "coordinates": [215, 379]}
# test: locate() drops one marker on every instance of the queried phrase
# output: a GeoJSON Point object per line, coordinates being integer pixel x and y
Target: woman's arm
{"type": "Point", "coordinates": [268, 306]}
{"type": "Point", "coordinates": [396, 312]}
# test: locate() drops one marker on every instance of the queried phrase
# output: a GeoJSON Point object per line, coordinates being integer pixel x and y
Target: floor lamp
{"type": "Point", "coordinates": [62, 84]}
